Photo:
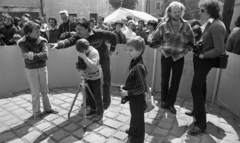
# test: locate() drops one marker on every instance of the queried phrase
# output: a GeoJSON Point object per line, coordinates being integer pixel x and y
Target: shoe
{"type": "Point", "coordinates": [37, 116]}
{"type": "Point", "coordinates": [91, 113]}
{"type": "Point", "coordinates": [52, 112]}
{"type": "Point", "coordinates": [189, 113]}
{"type": "Point", "coordinates": [163, 105]}
{"type": "Point", "coordinates": [105, 107]}
{"type": "Point", "coordinates": [195, 131]}
{"type": "Point", "coordinates": [127, 131]}
{"type": "Point", "coordinates": [172, 110]}
{"type": "Point", "coordinates": [98, 118]}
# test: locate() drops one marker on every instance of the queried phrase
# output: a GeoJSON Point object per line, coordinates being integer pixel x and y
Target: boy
{"type": "Point", "coordinates": [35, 53]}
{"type": "Point", "coordinates": [92, 74]}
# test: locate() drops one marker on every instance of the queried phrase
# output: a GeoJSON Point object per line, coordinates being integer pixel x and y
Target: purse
{"type": "Point", "coordinates": [221, 62]}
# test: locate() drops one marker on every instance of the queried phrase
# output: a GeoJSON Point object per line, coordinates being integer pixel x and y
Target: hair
{"type": "Point", "coordinates": [85, 24]}
{"type": "Point", "coordinates": [237, 22]}
{"type": "Point", "coordinates": [82, 45]}
{"type": "Point", "coordinates": [28, 16]}
{"type": "Point", "coordinates": [195, 22]}
{"type": "Point", "coordinates": [131, 21]}
{"type": "Point", "coordinates": [137, 43]}
{"type": "Point", "coordinates": [197, 29]}
{"type": "Point", "coordinates": [118, 22]}
{"type": "Point", "coordinates": [141, 21]}
{"type": "Point", "coordinates": [16, 20]}
{"type": "Point", "coordinates": [212, 7]}
{"type": "Point", "coordinates": [153, 23]}
{"type": "Point", "coordinates": [37, 22]}
{"type": "Point", "coordinates": [29, 26]}
{"type": "Point", "coordinates": [52, 18]}
{"type": "Point", "coordinates": [10, 18]}
{"type": "Point", "coordinates": [129, 18]}
{"type": "Point", "coordinates": [169, 8]}
{"type": "Point", "coordinates": [101, 17]}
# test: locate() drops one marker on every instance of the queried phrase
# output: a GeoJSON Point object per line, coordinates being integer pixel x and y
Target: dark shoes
{"type": "Point", "coordinates": [91, 113]}
{"type": "Point", "coordinates": [195, 131]}
{"type": "Point", "coordinates": [105, 107]}
{"type": "Point", "coordinates": [172, 109]}
{"type": "Point", "coordinates": [163, 105]}
{"type": "Point", "coordinates": [189, 113]}
{"type": "Point", "coordinates": [51, 112]}
{"type": "Point", "coordinates": [98, 118]}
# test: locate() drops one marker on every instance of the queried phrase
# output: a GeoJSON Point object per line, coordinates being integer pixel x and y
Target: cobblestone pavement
{"type": "Point", "coordinates": [17, 126]}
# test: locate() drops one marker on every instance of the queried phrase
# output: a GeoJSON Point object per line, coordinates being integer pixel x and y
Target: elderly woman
{"type": "Point", "coordinates": [152, 24]}
{"type": "Point", "coordinates": [233, 42]}
{"type": "Point", "coordinates": [214, 33]}
{"type": "Point", "coordinates": [129, 32]}
{"type": "Point", "coordinates": [121, 38]}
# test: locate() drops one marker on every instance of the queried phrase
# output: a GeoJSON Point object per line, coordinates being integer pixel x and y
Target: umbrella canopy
{"type": "Point", "coordinates": [123, 12]}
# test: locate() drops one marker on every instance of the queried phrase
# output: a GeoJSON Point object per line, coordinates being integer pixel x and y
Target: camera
{"type": "Point", "coordinates": [81, 65]}
{"type": "Point", "coordinates": [197, 48]}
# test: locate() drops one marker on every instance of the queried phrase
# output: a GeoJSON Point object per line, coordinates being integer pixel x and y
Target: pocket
{"type": "Point", "coordinates": [184, 37]}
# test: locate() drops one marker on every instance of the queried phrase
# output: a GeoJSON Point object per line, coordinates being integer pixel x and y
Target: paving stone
{"type": "Point", "coordinates": [60, 122]}
{"type": "Point", "coordinates": [125, 112]}
{"type": "Point", "coordinates": [25, 116]}
{"type": "Point", "coordinates": [65, 105]}
{"type": "Point", "coordinates": [15, 140]}
{"type": "Point", "coordinates": [48, 140]}
{"type": "Point", "coordinates": [59, 135]}
{"type": "Point", "coordinates": [151, 121]}
{"type": "Point", "coordinates": [120, 135]}
{"type": "Point", "coordinates": [154, 115]}
{"type": "Point", "coordinates": [76, 118]}
{"type": "Point", "coordinates": [208, 138]}
{"type": "Point", "coordinates": [19, 112]}
{"type": "Point", "coordinates": [51, 130]}
{"type": "Point", "coordinates": [122, 118]}
{"type": "Point", "coordinates": [24, 130]}
{"type": "Point", "coordinates": [114, 109]}
{"type": "Point", "coordinates": [149, 128]}
{"type": "Point", "coordinates": [165, 125]}
{"type": "Point", "coordinates": [6, 136]}
{"type": "Point", "coordinates": [94, 138]}
{"type": "Point", "coordinates": [192, 139]}
{"type": "Point", "coordinates": [3, 128]}
{"type": "Point", "coordinates": [161, 131]}
{"type": "Point", "coordinates": [12, 108]}
{"type": "Point", "coordinates": [6, 117]}
{"type": "Point", "coordinates": [3, 113]}
{"type": "Point", "coordinates": [11, 121]}
{"type": "Point", "coordinates": [71, 127]}
{"type": "Point", "coordinates": [33, 136]}
{"type": "Point", "coordinates": [115, 102]}
{"type": "Point", "coordinates": [124, 127]}
{"type": "Point", "coordinates": [111, 114]}
{"type": "Point", "coordinates": [112, 123]}
{"type": "Point", "coordinates": [80, 133]}
{"type": "Point", "coordinates": [178, 131]}
{"type": "Point", "coordinates": [44, 126]}
{"type": "Point", "coordinates": [107, 132]}
{"type": "Point", "coordinates": [69, 139]}
{"type": "Point", "coordinates": [168, 120]}
{"type": "Point", "coordinates": [112, 140]}
{"type": "Point", "coordinates": [154, 139]}
{"type": "Point", "coordinates": [95, 127]}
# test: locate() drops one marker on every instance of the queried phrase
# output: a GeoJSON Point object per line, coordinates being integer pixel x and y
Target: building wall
{"type": "Point", "coordinates": [80, 7]}
{"type": "Point", "coordinates": [236, 13]}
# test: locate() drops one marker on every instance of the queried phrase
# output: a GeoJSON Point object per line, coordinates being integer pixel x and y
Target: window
{"type": "Point", "coordinates": [158, 5]}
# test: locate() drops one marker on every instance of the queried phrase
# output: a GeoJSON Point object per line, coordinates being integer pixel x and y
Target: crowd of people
{"type": "Point", "coordinates": [174, 35]}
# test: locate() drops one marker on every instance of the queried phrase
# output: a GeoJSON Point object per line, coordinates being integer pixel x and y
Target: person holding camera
{"type": "Point", "coordinates": [214, 33]}
{"type": "Point", "coordinates": [172, 36]}
{"type": "Point", "coordinates": [92, 73]}
{"type": "Point", "coordinates": [97, 39]}
{"type": "Point", "coordinates": [67, 27]}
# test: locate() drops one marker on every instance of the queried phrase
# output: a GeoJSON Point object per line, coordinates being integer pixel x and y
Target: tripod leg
{"type": "Point", "coordinates": [74, 100]}
{"type": "Point", "coordinates": [84, 106]}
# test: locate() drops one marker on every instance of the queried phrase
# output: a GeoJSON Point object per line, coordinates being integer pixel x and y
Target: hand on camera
{"type": "Point", "coordinates": [82, 55]}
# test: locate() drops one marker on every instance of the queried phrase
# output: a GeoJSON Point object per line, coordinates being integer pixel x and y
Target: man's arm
{"type": "Point", "coordinates": [111, 37]}
{"type": "Point", "coordinates": [66, 43]}
{"type": "Point", "coordinates": [156, 38]}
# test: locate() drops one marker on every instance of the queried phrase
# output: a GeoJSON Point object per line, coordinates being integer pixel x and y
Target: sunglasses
{"type": "Point", "coordinates": [202, 10]}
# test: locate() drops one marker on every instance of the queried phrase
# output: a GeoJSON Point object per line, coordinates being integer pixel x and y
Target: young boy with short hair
{"type": "Point", "coordinates": [35, 53]}
{"type": "Point", "coordinates": [92, 74]}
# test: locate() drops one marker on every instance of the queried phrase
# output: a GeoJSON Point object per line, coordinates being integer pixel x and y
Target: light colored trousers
{"type": "Point", "coordinates": [38, 82]}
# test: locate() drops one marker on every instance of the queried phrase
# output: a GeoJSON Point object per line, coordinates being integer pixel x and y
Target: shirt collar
{"type": "Point", "coordinates": [210, 20]}
{"type": "Point", "coordinates": [91, 33]}
{"type": "Point", "coordinates": [54, 27]}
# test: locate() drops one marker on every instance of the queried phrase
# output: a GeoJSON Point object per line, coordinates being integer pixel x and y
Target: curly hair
{"type": "Point", "coordinates": [153, 23]}
{"type": "Point", "coordinates": [212, 7]}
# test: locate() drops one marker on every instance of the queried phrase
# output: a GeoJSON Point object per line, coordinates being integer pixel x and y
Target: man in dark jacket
{"type": "Point", "coordinates": [67, 27]}
{"type": "Point", "coordinates": [97, 39]}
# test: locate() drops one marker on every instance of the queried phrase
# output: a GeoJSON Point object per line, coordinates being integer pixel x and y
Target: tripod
{"type": "Point", "coordinates": [82, 86]}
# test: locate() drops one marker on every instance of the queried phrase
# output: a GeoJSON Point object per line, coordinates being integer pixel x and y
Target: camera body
{"type": "Point", "coordinates": [197, 48]}
{"type": "Point", "coordinates": [81, 65]}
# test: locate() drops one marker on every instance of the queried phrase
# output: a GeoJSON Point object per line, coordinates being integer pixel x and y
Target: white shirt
{"type": "Point", "coordinates": [129, 34]}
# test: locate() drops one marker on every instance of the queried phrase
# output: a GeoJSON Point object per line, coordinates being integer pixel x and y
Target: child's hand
{"type": "Point", "coordinates": [30, 55]}
{"type": "Point", "coordinates": [82, 55]}
{"type": "Point", "coordinates": [82, 74]}
{"type": "Point", "coordinates": [123, 93]}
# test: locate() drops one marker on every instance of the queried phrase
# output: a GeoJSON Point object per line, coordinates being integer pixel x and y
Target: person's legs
{"type": "Point", "coordinates": [32, 76]}
{"type": "Point", "coordinates": [91, 100]}
{"type": "Point", "coordinates": [165, 75]}
{"type": "Point", "coordinates": [105, 64]}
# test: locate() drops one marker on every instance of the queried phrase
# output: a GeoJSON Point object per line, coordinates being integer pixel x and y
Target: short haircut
{"type": "Point", "coordinates": [52, 18]}
{"type": "Point", "coordinates": [16, 20]}
{"type": "Point", "coordinates": [197, 29]}
{"type": "Point", "coordinates": [64, 11]}
{"type": "Point", "coordinates": [82, 45]}
{"type": "Point", "coordinates": [29, 26]}
{"type": "Point", "coordinates": [141, 21]}
{"type": "Point", "coordinates": [85, 24]}
{"type": "Point", "coordinates": [237, 22]}
{"type": "Point", "coordinates": [129, 17]}
{"type": "Point", "coordinates": [118, 22]}
{"type": "Point", "coordinates": [195, 22]}
{"type": "Point", "coordinates": [28, 16]}
{"type": "Point", "coordinates": [136, 42]}
{"type": "Point", "coordinates": [92, 20]}
{"type": "Point", "coordinates": [212, 7]}
{"type": "Point", "coordinates": [131, 21]}
{"type": "Point", "coordinates": [153, 23]}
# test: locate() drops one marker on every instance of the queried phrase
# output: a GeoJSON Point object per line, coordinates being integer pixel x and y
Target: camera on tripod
{"type": "Point", "coordinates": [81, 65]}
{"type": "Point", "coordinates": [197, 47]}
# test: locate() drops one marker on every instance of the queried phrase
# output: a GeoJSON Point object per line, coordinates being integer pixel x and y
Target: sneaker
{"type": "Point", "coordinates": [37, 116]}
{"type": "Point", "coordinates": [91, 113]}
{"type": "Point", "coordinates": [98, 118]}
{"type": "Point", "coordinates": [52, 111]}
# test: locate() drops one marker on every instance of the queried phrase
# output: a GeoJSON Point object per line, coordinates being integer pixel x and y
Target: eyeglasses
{"type": "Point", "coordinates": [202, 10]}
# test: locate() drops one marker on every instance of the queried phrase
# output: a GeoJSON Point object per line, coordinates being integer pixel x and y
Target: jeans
{"type": "Point", "coordinates": [105, 64]}
{"type": "Point", "coordinates": [38, 82]}
{"type": "Point", "coordinates": [169, 95]}
{"type": "Point", "coordinates": [198, 89]}
{"type": "Point", "coordinates": [137, 125]}
{"type": "Point", "coordinates": [95, 101]}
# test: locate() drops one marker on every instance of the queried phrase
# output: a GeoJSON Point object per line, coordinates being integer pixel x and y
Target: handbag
{"type": "Point", "coordinates": [221, 62]}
